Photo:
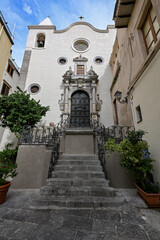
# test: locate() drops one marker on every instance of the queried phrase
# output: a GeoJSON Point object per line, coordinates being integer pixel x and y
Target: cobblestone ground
{"type": "Point", "coordinates": [131, 221]}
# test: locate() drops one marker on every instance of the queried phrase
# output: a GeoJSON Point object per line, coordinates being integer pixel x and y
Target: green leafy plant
{"type": "Point", "coordinates": [135, 157]}
{"type": "Point", "coordinates": [9, 155]}
{"type": "Point", "coordinates": [7, 164]}
{"type": "Point", "coordinates": [17, 111]}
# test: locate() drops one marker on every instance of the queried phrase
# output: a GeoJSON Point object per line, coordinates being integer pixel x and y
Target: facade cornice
{"type": "Point", "coordinates": [69, 27]}
{"type": "Point", "coordinates": [86, 24]}
{"type": "Point", "coordinates": [42, 27]}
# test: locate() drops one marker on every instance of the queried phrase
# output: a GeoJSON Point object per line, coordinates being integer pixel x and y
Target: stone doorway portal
{"type": "Point", "coordinates": [80, 110]}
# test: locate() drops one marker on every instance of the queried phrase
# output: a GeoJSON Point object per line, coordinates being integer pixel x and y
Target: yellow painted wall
{"type": "Point", "coordinates": [5, 46]}
{"type": "Point", "coordinates": [147, 94]}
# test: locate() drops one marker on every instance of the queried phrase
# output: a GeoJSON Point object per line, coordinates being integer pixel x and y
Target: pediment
{"type": "Point", "coordinates": [80, 59]}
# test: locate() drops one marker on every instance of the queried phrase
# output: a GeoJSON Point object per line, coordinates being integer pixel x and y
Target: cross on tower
{"type": "Point", "coordinates": [81, 18]}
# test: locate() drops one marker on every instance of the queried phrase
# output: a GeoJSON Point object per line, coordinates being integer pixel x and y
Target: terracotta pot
{"type": "Point", "coordinates": [152, 199]}
{"type": "Point", "coordinates": [3, 191]}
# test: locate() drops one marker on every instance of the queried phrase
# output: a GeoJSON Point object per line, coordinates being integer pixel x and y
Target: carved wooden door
{"type": "Point", "coordinates": [80, 110]}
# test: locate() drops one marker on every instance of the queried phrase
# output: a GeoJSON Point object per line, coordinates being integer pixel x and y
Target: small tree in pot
{"type": "Point", "coordinates": [135, 157]}
{"type": "Point", "coordinates": [7, 170]}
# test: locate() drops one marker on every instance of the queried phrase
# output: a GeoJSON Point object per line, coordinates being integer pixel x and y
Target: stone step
{"type": "Point", "coordinates": [78, 191]}
{"type": "Point", "coordinates": [81, 202]}
{"type": "Point", "coordinates": [77, 182]}
{"type": "Point", "coordinates": [85, 157]}
{"type": "Point", "coordinates": [78, 162]}
{"type": "Point", "coordinates": [78, 168]}
{"type": "Point", "coordinates": [72, 174]}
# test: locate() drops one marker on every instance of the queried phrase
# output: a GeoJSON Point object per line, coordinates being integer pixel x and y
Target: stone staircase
{"type": "Point", "coordinates": [77, 182]}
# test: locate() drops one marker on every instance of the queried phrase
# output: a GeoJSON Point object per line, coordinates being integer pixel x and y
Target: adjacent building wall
{"type": "Point", "coordinates": [6, 137]}
{"type": "Point", "coordinates": [5, 47]}
{"type": "Point", "coordinates": [146, 94]}
{"type": "Point", "coordinates": [120, 63]}
{"type": "Point", "coordinates": [138, 78]}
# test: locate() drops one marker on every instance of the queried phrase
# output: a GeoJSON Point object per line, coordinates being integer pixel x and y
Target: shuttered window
{"type": "Point", "coordinates": [151, 30]}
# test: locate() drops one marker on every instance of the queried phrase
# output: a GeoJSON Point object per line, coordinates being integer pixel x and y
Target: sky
{"type": "Point", "coordinates": [62, 13]}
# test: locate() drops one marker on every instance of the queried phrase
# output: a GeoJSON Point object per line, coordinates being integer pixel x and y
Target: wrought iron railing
{"type": "Point", "coordinates": [38, 135]}
{"type": "Point", "coordinates": [49, 136]}
{"type": "Point", "coordinates": [103, 134]}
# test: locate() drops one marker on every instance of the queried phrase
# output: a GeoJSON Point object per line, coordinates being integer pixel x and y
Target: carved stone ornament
{"type": "Point", "coordinates": [91, 72]}
{"type": "Point", "coordinates": [80, 59]}
{"type": "Point", "coordinates": [68, 73]}
{"type": "Point", "coordinates": [61, 103]}
{"type": "Point", "coordinates": [98, 103]}
{"type": "Point", "coordinates": [80, 83]}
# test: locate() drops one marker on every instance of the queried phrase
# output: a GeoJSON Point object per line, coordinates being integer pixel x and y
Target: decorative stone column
{"type": "Point", "coordinates": [94, 96]}
{"type": "Point", "coordinates": [66, 97]}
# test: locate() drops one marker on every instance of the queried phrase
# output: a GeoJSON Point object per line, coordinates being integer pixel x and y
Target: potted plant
{"type": "Point", "coordinates": [7, 170]}
{"type": "Point", "coordinates": [135, 157]}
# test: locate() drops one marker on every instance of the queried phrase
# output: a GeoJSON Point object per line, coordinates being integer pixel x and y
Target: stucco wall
{"type": "Point", "coordinates": [118, 176]}
{"type": "Point", "coordinates": [146, 94]}
{"type": "Point", "coordinates": [33, 165]}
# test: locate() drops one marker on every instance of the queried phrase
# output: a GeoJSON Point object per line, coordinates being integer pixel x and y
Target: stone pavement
{"type": "Point", "coordinates": [132, 221]}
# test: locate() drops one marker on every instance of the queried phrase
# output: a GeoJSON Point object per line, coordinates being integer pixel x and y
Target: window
{"type": "Point", "coordinates": [10, 70]}
{"type": "Point", "coordinates": [139, 114]}
{"type": "Point", "coordinates": [34, 88]}
{"type": "Point", "coordinates": [80, 69]}
{"type": "Point", "coordinates": [5, 89]}
{"type": "Point", "coordinates": [81, 45]}
{"type": "Point", "coordinates": [40, 40]}
{"type": "Point", "coordinates": [98, 60]}
{"type": "Point", "coordinates": [151, 30]}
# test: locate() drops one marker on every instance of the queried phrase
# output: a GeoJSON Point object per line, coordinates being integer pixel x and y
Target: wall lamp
{"type": "Point", "coordinates": [118, 96]}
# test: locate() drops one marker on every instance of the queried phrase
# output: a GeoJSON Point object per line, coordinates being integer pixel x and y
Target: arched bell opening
{"type": "Point", "coordinates": [80, 110]}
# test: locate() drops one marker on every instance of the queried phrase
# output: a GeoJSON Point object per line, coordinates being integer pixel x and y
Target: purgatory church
{"type": "Point", "coordinates": [68, 70]}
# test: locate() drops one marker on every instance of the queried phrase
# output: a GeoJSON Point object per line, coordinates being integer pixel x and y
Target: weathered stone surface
{"type": "Point", "coordinates": [77, 222]}
{"type": "Point", "coordinates": [103, 227]}
{"type": "Point", "coordinates": [94, 236]}
{"type": "Point", "coordinates": [127, 222]}
{"type": "Point", "coordinates": [131, 231]}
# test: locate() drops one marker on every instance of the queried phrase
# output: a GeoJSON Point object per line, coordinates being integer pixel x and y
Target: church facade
{"type": "Point", "coordinates": [69, 71]}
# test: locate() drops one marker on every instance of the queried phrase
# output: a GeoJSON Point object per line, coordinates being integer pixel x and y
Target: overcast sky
{"type": "Point", "coordinates": [62, 13]}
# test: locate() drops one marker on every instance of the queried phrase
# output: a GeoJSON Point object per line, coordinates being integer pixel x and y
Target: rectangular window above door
{"type": "Point", "coordinates": [80, 69]}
